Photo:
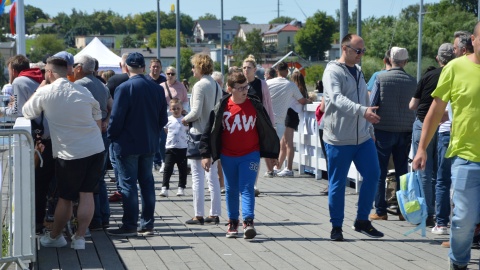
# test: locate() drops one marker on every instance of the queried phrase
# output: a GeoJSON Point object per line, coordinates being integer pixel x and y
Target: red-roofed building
{"type": "Point", "coordinates": [280, 38]}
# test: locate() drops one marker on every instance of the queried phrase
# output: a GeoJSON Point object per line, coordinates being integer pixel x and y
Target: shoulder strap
{"type": "Point", "coordinates": [168, 89]}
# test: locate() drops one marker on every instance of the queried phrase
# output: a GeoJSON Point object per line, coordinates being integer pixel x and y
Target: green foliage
{"type": "Point", "coordinates": [185, 65]}
{"type": "Point", "coordinates": [470, 6]}
{"type": "Point", "coordinates": [5, 241]}
{"type": "Point", "coordinates": [313, 74]}
{"type": "Point", "coordinates": [208, 16]}
{"type": "Point", "coordinates": [315, 38]}
{"type": "Point", "coordinates": [33, 15]}
{"type": "Point", "coordinates": [253, 45]}
{"type": "Point", "coordinates": [168, 38]}
{"type": "Point", "coordinates": [45, 44]}
{"type": "Point", "coordinates": [282, 19]}
{"type": "Point", "coordinates": [240, 19]}
{"type": "Point", "coordinates": [128, 42]}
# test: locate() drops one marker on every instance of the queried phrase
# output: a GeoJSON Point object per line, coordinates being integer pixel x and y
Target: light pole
{"type": "Point", "coordinates": [158, 29]}
{"type": "Point", "coordinates": [420, 33]}
{"type": "Point", "coordinates": [178, 36]}
{"type": "Point", "coordinates": [221, 37]}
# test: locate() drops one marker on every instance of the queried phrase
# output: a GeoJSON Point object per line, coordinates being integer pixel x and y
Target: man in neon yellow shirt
{"type": "Point", "coordinates": [459, 83]}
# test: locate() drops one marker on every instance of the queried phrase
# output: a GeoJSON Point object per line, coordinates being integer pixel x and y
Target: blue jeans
{"type": "Point", "coordinates": [240, 175]}
{"type": "Point", "coordinates": [429, 175]}
{"type": "Point", "coordinates": [130, 169]}
{"type": "Point", "coordinates": [444, 181]}
{"type": "Point", "coordinates": [466, 213]}
{"type": "Point", "coordinates": [102, 206]}
{"type": "Point", "coordinates": [340, 157]}
{"type": "Point", "coordinates": [114, 164]}
{"type": "Point", "coordinates": [396, 144]}
{"type": "Point", "coordinates": [160, 154]}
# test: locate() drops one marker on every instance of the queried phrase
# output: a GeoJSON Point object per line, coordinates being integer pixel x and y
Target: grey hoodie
{"type": "Point", "coordinates": [346, 100]}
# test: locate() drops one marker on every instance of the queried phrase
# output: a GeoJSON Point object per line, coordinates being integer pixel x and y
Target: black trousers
{"type": "Point", "coordinates": [43, 177]}
{"type": "Point", "coordinates": [175, 156]}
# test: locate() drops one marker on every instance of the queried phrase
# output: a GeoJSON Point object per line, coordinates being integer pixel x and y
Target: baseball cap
{"type": "Point", "coordinates": [398, 53]}
{"type": "Point", "coordinates": [67, 56]}
{"type": "Point", "coordinates": [446, 51]}
{"type": "Point", "coordinates": [135, 60]}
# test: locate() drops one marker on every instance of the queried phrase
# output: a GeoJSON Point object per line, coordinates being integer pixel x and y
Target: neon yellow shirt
{"type": "Point", "coordinates": [459, 83]}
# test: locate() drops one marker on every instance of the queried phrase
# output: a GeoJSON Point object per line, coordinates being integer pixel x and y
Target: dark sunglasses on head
{"type": "Point", "coordinates": [171, 74]}
{"type": "Point", "coordinates": [357, 51]}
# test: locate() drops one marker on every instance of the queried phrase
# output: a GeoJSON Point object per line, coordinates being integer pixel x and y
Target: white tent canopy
{"type": "Point", "coordinates": [106, 58]}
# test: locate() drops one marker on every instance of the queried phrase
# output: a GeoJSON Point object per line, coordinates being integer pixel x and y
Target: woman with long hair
{"type": "Point", "coordinates": [291, 124]}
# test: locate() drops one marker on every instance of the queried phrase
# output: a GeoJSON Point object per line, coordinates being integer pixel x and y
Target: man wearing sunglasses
{"type": "Point", "coordinates": [348, 136]}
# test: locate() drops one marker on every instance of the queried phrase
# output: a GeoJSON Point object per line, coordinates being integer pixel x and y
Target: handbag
{"type": "Point", "coordinates": [193, 140]}
{"type": "Point", "coordinates": [193, 143]}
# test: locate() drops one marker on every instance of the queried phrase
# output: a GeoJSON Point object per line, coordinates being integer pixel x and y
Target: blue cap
{"type": "Point", "coordinates": [135, 60]}
{"type": "Point", "coordinates": [67, 56]}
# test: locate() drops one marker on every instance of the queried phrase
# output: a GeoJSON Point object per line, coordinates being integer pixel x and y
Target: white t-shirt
{"type": "Point", "coordinates": [283, 92]}
{"type": "Point", "coordinates": [71, 112]}
{"type": "Point", "coordinates": [176, 134]}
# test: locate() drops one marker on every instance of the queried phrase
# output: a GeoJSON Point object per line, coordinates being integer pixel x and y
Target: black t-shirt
{"type": "Point", "coordinates": [353, 71]}
{"type": "Point", "coordinates": [256, 89]}
{"type": "Point", "coordinates": [159, 80]}
{"type": "Point", "coordinates": [115, 81]}
{"type": "Point", "coordinates": [425, 87]}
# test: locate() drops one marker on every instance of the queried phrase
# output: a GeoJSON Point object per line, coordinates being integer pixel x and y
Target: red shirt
{"type": "Point", "coordinates": [239, 135]}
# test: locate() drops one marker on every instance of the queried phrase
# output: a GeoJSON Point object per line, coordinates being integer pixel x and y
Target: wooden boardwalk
{"type": "Point", "coordinates": [293, 228]}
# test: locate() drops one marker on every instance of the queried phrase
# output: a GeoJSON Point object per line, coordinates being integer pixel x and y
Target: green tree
{"type": "Point", "coordinates": [185, 65]}
{"type": "Point", "coordinates": [168, 38]}
{"type": "Point", "coordinates": [470, 6]}
{"type": "Point", "coordinates": [33, 14]}
{"type": "Point", "coordinates": [208, 16]}
{"type": "Point", "coordinates": [128, 42]}
{"type": "Point", "coordinates": [44, 45]}
{"type": "Point", "coordinates": [282, 19]}
{"type": "Point", "coordinates": [313, 74]}
{"type": "Point", "coordinates": [240, 19]}
{"type": "Point", "coordinates": [253, 45]}
{"type": "Point", "coordinates": [315, 38]}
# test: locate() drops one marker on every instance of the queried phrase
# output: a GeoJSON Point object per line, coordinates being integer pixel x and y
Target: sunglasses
{"type": "Point", "coordinates": [357, 51]}
{"type": "Point", "coordinates": [171, 74]}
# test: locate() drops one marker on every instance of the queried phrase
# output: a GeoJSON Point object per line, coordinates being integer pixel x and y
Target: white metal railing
{"type": "Point", "coordinates": [18, 196]}
{"type": "Point", "coordinates": [308, 149]}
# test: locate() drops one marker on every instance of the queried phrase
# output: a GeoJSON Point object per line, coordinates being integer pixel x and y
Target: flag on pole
{"type": "Point", "coordinates": [5, 3]}
{"type": "Point", "coordinates": [13, 14]}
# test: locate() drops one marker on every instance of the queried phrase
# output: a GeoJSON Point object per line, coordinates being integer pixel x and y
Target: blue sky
{"type": "Point", "coordinates": [255, 11]}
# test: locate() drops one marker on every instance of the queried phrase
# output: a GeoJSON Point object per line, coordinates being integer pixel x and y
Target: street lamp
{"type": "Point", "coordinates": [158, 29]}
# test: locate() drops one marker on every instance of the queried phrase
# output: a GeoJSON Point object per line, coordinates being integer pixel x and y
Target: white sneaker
{"type": "Point", "coordinates": [162, 168]}
{"type": "Point", "coordinates": [57, 242]}
{"type": "Point", "coordinates": [269, 174]}
{"type": "Point", "coordinates": [285, 173]}
{"type": "Point", "coordinates": [180, 192]}
{"type": "Point", "coordinates": [440, 230]}
{"type": "Point", "coordinates": [276, 170]}
{"type": "Point", "coordinates": [164, 192]}
{"type": "Point", "coordinates": [78, 242]}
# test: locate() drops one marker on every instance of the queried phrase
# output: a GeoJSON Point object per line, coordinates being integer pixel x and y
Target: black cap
{"type": "Point", "coordinates": [135, 60]}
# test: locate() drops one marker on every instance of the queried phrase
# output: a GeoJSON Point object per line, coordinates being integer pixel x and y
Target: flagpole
{"type": "Point", "coordinates": [20, 28]}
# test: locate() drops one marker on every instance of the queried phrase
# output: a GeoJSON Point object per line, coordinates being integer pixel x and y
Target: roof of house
{"type": "Point", "coordinates": [282, 28]}
{"type": "Point", "coordinates": [43, 25]}
{"type": "Point", "coordinates": [7, 45]}
{"type": "Point", "coordinates": [247, 28]}
{"type": "Point", "coordinates": [169, 52]}
{"type": "Point", "coordinates": [213, 26]}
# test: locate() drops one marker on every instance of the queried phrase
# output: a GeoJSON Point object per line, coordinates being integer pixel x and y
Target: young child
{"type": "Point", "coordinates": [176, 149]}
{"type": "Point", "coordinates": [238, 133]}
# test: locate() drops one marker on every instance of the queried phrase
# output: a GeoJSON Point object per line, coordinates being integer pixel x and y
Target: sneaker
{"type": "Point", "coordinates": [156, 167]}
{"type": "Point", "coordinates": [249, 231]}
{"type": "Point", "coordinates": [276, 170]}
{"type": "Point", "coordinates": [440, 230]}
{"type": "Point", "coordinates": [336, 234]}
{"type": "Point", "coordinates": [376, 216]}
{"type": "Point", "coordinates": [163, 192]}
{"type": "Point", "coordinates": [94, 226]}
{"type": "Point", "coordinates": [181, 191]}
{"type": "Point", "coordinates": [324, 192]}
{"type": "Point", "coordinates": [57, 242]}
{"type": "Point", "coordinates": [162, 168]}
{"type": "Point", "coordinates": [285, 173]}
{"type": "Point", "coordinates": [232, 231]}
{"type": "Point", "coordinates": [269, 174]}
{"type": "Point", "coordinates": [88, 233]}
{"type": "Point", "coordinates": [78, 242]}
{"type": "Point", "coordinates": [116, 197]}
{"type": "Point", "coordinates": [430, 221]}
{"type": "Point", "coordinates": [175, 171]}
{"type": "Point", "coordinates": [455, 266]}
{"type": "Point", "coordinates": [257, 192]}
{"type": "Point", "coordinates": [222, 191]}
{"type": "Point", "coordinates": [212, 219]}
{"type": "Point", "coordinates": [365, 227]}
{"type": "Point", "coordinates": [145, 232]}
{"type": "Point", "coordinates": [122, 232]}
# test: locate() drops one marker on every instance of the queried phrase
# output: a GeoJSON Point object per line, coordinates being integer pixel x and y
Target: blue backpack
{"type": "Point", "coordinates": [412, 203]}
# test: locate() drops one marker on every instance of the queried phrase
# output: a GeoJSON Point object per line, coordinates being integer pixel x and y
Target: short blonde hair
{"type": "Point", "coordinates": [203, 62]}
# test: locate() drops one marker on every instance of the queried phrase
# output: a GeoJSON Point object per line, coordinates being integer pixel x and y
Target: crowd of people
{"type": "Point", "coordinates": [142, 122]}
